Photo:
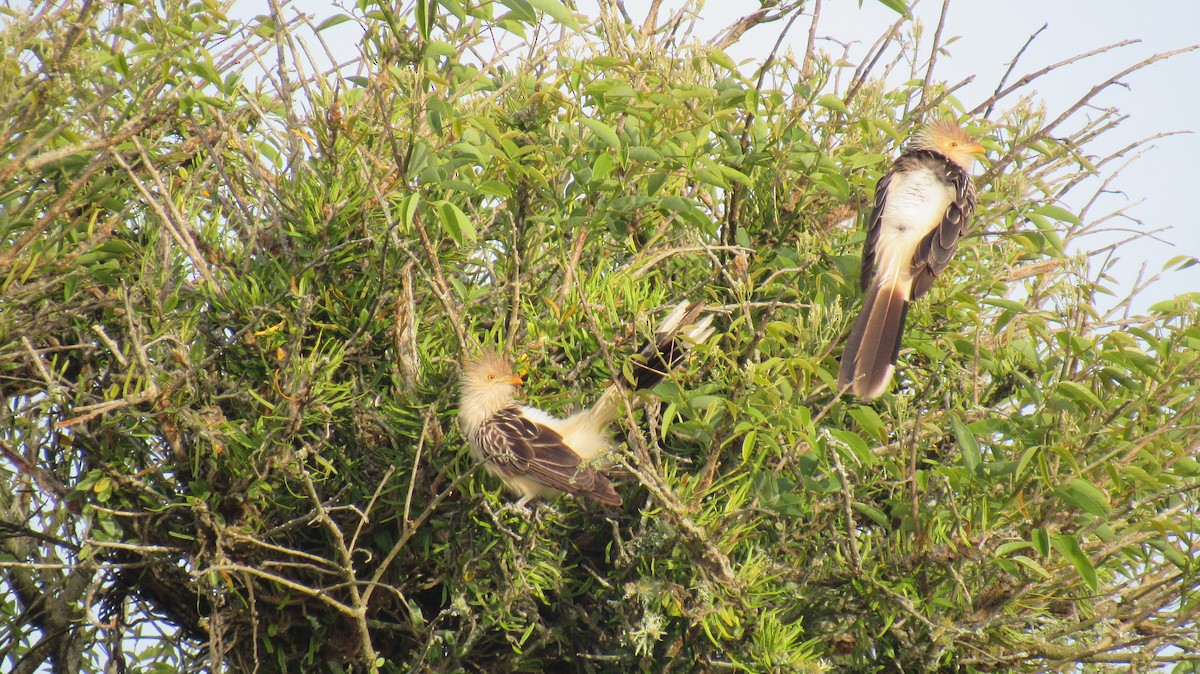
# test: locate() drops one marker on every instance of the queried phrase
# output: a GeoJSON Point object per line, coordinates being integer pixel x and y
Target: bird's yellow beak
{"type": "Point", "coordinates": [514, 379]}
{"type": "Point", "coordinates": [975, 148]}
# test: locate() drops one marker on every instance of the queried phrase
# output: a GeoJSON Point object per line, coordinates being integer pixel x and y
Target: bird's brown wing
{"type": "Point", "coordinates": [521, 447]}
{"type": "Point", "coordinates": [875, 223]}
{"type": "Point", "coordinates": [937, 248]}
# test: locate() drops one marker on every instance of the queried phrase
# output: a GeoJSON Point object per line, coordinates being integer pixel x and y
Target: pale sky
{"type": "Point", "coordinates": [1162, 97]}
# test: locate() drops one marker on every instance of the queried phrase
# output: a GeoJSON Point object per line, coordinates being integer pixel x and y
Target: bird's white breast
{"type": "Point", "coordinates": [916, 203]}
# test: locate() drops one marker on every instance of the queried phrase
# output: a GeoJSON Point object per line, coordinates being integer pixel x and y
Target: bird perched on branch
{"type": "Point", "coordinates": [536, 454]}
{"type": "Point", "coordinates": [922, 206]}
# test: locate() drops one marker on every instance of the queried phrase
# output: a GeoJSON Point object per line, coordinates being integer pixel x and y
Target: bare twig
{"type": "Point", "coordinates": [1012, 65]}
{"type": "Point", "coordinates": [933, 53]}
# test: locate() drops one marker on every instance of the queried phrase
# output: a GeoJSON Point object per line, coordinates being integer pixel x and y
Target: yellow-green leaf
{"type": "Point", "coordinates": [603, 131]}
{"type": "Point", "coordinates": [556, 10]}
{"type": "Point", "coordinates": [832, 102]}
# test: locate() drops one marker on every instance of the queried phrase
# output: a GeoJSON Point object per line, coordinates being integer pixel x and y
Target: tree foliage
{"type": "Point", "coordinates": [235, 288]}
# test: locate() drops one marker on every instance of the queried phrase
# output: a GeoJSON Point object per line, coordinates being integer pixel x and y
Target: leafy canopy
{"type": "Point", "coordinates": [235, 286]}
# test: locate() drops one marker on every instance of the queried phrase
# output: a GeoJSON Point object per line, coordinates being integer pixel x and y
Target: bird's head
{"type": "Point", "coordinates": [950, 140]}
{"type": "Point", "coordinates": [488, 384]}
{"type": "Point", "coordinates": [490, 370]}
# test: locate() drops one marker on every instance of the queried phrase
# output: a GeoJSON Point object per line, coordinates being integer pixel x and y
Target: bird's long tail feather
{"type": "Point", "coordinates": [874, 342]}
{"type": "Point", "coordinates": [677, 333]}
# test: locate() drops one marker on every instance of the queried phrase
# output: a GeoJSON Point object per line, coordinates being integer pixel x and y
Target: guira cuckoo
{"type": "Point", "coordinates": [922, 205]}
{"type": "Point", "coordinates": [537, 454]}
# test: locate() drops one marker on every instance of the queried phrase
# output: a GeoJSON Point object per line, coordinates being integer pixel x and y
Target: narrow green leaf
{"type": "Point", "coordinates": [858, 447]}
{"type": "Point", "coordinates": [872, 512]}
{"type": "Point", "coordinates": [1180, 262]}
{"type": "Point", "coordinates": [1041, 541]}
{"type": "Point", "coordinates": [494, 188]}
{"type": "Point", "coordinates": [736, 175]}
{"type": "Point", "coordinates": [1012, 546]}
{"type": "Point", "coordinates": [1033, 566]}
{"type": "Point", "coordinates": [424, 20]}
{"type": "Point", "coordinates": [897, 6]}
{"type": "Point", "coordinates": [602, 166]}
{"type": "Point", "coordinates": [1070, 549]}
{"type": "Point", "coordinates": [1088, 496]}
{"type": "Point", "coordinates": [868, 419]}
{"type": "Point", "coordinates": [334, 20]}
{"type": "Point", "coordinates": [644, 154]}
{"type": "Point", "coordinates": [832, 102]}
{"type": "Point", "coordinates": [710, 177]}
{"type": "Point", "coordinates": [674, 203]}
{"type": "Point", "coordinates": [1078, 393]}
{"type": "Point", "coordinates": [1171, 553]}
{"type": "Point", "coordinates": [455, 8]}
{"type": "Point", "coordinates": [409, 210]}
{"type": "Point", "coordinates": [966, 443]}
{"type": "Point", "coordinates": [456, 223]}
{"type": "Point", "coordinates": [1026, 456]}
{"type": "Point", "coordinates": [1058, 213]}
{"type": "Point", "coordinates": [1006, 304]}
{"type": "Point", "coordinates": [602, 131]}
{"type": "Point", "coordinates": [720, 58]}
{"type": "Point", "coordinates": [556, 10]}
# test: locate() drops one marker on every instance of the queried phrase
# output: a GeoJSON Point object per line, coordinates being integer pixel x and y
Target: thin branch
{"type": "Point", "coordinates": [933, 53]}
{"type": "Point", "coordinates": [1012, 65]}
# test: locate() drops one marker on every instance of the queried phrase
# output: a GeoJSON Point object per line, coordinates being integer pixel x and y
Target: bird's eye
{"type": "Point", "coordinates": [491, 377]}
{"type": "Point", "coordinates": [953, 143]}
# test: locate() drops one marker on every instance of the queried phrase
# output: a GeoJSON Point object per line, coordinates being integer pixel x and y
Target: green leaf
{"type": "Point", "coordinates": [456, 223]}
{"type": "Point", "coordinates": [858, 447]}
{"type": "Point", "coordinates": [1180, 262]}
{"type": "Point", "coordinates": [1033, 566]}
{"type": "Point", "coordinates": [644, 154]}
{"type": "Point", "coordinates": [1058, 213]}
{"type": "Point", "coordinates": [832, 102]}
{"type": "Point", "coordinates": [602, 131]}
{"type": "Point", "coordinates": [1070, 549]}
{"type": "Point", "coordinates": [408, 209]}
{"type": "Point", "coordinates": [494, 188]}
{"type": "Point", "coordinates": [205, 70]}
{"type": "Point", "coordinates": [1172, 553]}
{"type": "Point", "coordinates": [736, 175]}
{"type": "Point", "coordinates": [440, 48]}
{"type": "Point", "coordinates": [424, 15]}
{"type": "Point", "coordinates": [897, 6]}
{"type": "Point", "coordinates": [455, 8]}
{"type": "Point", "coordinates": [872, 512]}
{"type": "Point", "coordinates": [556, 10]}
{"type": "Point", "coordinates": [1006, 304]}
{"type": "Point", "coordinates": [720, 58]}
{"type": "Point", "coordinates": [966, 443]}
{"type": "Point", "coordinates": [1087, 496]}
{"type": "Point", "coordinates": [334, 20]}
{"type": "Point", "coordinates": [868, 419]}
{"type": "Point", "coordinates": [1041, 541]}
{"type": "Point", "coordinates": [1012, 546]}
{"type": "Point", "coordinates": [1078, 393]}
{"type": "Point", "coordinates": [1026, 456]}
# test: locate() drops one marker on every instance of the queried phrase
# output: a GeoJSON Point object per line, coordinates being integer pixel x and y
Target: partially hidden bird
{"type": "Point", "coordinates": [922, 206]}
{"type": "Point", "coordinates": [536, 454]}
